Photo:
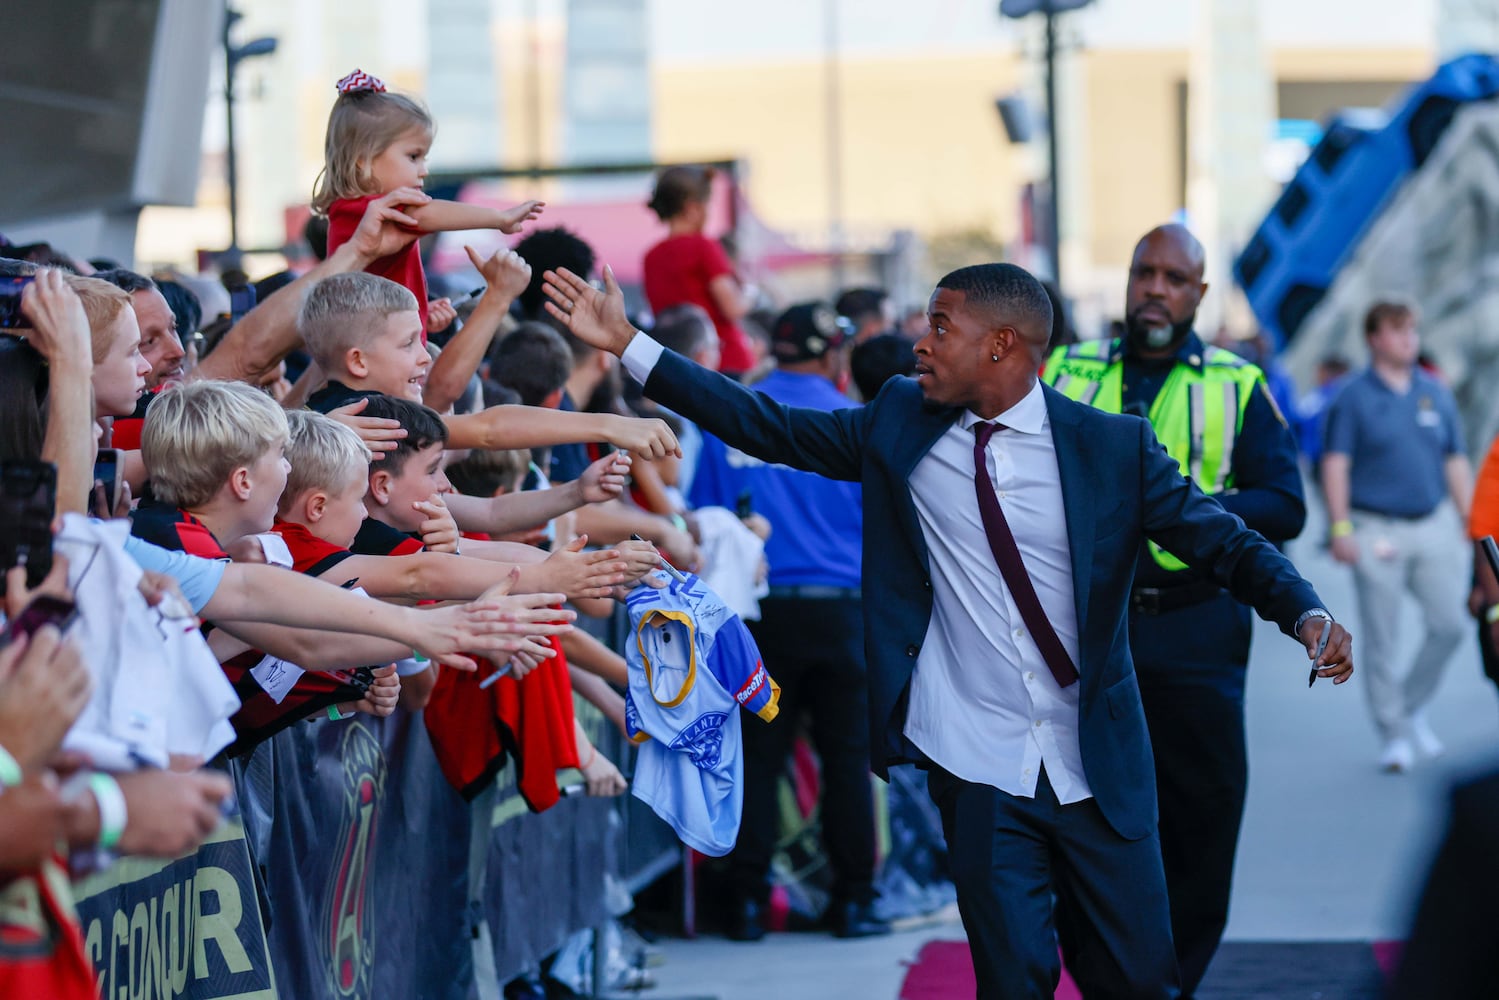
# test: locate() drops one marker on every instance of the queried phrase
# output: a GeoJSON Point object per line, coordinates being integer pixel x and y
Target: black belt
{"type": "Point", "coordinates": [1160, 600]}
{"type": "Point", "coordinates": [815, 592]}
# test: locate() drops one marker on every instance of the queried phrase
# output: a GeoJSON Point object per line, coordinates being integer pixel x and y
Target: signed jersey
{"type": "Point", "coordinates": [692, 664]}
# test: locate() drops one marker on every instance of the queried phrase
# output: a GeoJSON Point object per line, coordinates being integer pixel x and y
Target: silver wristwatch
{"type": "Point", "coordinates": [1305, 615]}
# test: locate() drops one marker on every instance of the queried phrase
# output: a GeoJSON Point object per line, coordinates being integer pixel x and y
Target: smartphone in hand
{"type": "Point", "coordinates": [28, 500]}
{"type": "Point", "coordinates": [44, 609]}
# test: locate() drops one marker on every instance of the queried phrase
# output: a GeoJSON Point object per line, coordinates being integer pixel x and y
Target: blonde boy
{"type": "Point", "coordinates": [216, 451]}
{"type": "Point", "coordinates": [365, 333]}
{"type": "Point", "coordinates": [323, 509]}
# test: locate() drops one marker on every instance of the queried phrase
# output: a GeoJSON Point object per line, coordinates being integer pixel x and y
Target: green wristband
{"type": "Point", "coordinates": [10, 771]}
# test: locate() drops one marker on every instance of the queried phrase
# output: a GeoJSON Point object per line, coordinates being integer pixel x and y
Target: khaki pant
{"type": "Point", "coordinates": [1428, 558]}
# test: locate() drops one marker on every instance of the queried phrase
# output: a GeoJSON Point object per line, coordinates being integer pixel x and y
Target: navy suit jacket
{"type": "Point", "coordinates": [1118, 486]}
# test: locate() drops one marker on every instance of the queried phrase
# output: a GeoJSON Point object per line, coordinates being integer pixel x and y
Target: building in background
{"type": "Point", "coordinates": [852, 121]}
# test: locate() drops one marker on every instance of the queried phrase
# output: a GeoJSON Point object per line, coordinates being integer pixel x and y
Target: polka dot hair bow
{"type": "Point", "coordinates": [359, 81]}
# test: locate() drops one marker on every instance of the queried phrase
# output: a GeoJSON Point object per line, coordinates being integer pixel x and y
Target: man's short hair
{"type": "Point", "coordinates": [196, 435]}
{"type": "Point", "coordinates": [1388, 312]}
{"type": "Point", "coordinates": [548, 250]}
{"type": "Point", "coordinates": [324, 455]}
{"type": "Point", "coordinates": [187, 311]}
{"type": "Point", "coordinates": [422, 425]}
{"type": "Point", "coordinates": [861, 304]}
{"type": "Point", "coordinates": [483, 473]}
{"type": "Point", "coordinates": [315, 232]}
{"type": "Point", "coordinates": [533, 359]}
{"type": "Point", "coordinates": [344, 311]}
{"type": "Point", "coordinates": [878, 360]}
{"type": "Point", "coordinates": [126, 280]}
{"type": "Point", "coordinates": [1010, 294]}
{"type": "Point", "coordinates": [685, 328]}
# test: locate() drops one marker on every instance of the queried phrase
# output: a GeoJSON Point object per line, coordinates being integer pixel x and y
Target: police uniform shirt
{"type": "Point", "coordinates": [1267, 491]}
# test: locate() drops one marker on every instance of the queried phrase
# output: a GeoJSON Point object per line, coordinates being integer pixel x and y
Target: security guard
{"type": "Point", "coordinates": [1190, 639]}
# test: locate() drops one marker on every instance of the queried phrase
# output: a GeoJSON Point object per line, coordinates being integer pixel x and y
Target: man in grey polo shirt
{"type": "Point", "coordinates": [1398, 484]}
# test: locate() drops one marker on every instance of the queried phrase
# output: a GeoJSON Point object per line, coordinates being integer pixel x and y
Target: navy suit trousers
{"type": "Point", "coordinates": [1009, 854]}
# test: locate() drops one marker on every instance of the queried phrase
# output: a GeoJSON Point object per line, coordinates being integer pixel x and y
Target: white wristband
{"type": "Point", "coordinates": [113, 814]}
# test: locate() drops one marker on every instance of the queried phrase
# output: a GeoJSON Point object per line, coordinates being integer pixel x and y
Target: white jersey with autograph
{"type": "Point", "coordinates": [692, 665]}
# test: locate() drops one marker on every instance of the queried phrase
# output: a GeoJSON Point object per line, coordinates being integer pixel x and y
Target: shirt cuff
{"type": "Point", "coordinates": [641, 356]}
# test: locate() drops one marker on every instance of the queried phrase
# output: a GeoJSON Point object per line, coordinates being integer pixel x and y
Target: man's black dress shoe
{"type": "Point", "coordinates": [855, 920]}
{"type": "Point", "coordinates": [746, 922]}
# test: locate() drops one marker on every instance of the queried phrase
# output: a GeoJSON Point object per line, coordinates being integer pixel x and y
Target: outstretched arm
{"type": "Point", "coordinates": [271, 594]}
{"type": "Point", "coordinates": [256, 344]}
{"type": "Point", "coordinates": [601, 481]}
{"type": "Point", "coordinates": [308, 648]}
{"type": "Point", "coordinates": [506, 275]}
{"type": "Point", "coordinates": [504, 427]}
{"type": "Point", "coordinates": [829, 444]}
{"type": "Point", "coordinates": [451, 216]}
{"type": "Point", "coordinates": [1197, 530]}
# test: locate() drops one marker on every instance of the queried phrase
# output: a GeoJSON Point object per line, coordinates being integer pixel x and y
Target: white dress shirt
{"type": "Point", "coordinates": [983, 703]}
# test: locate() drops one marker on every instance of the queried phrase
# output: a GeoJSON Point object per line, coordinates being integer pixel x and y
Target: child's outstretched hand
{"type": "Point", "coordinates": [505, 272]}
{"type": "Point", "coordinates": [512, 219]}
{"type": "Point", "coordinates": [605, 478]}
{"type": "Point", "coordinates": [439, 531]}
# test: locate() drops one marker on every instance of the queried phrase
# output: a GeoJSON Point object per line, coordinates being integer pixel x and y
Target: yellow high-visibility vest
{"type": "Point", "coordinates": [1191, 413]}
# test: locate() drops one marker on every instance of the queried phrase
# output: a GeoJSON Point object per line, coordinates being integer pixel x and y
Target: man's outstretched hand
{"type": "Point", "coordinates": [595, 317]}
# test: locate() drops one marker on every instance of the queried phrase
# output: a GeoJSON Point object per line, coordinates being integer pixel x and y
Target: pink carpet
{"type": "Point", "coordinates": [944, 971]}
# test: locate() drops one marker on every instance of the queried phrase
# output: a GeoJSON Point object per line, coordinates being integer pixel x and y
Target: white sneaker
{"type": "Point", "coordinates": [1398, 757]}
{"type": "Point", "coordinates": [1425, 740]}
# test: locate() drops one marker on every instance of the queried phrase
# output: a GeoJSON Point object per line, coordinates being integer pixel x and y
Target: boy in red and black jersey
{"type": "Point", "coordinates": [233, 435]}
{"type": "Point", "coordinates": [474, 726]}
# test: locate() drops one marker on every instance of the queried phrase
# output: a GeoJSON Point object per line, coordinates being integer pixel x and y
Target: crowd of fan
{"type": "Point", "coordinates": [483, 478]}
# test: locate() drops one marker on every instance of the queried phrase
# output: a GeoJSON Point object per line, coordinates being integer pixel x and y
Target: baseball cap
{"type": "Point", "coordinates": [807, 331]}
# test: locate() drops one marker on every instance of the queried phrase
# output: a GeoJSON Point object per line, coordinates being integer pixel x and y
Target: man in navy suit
{"type": "Point", "coordinates": [1002, 523]}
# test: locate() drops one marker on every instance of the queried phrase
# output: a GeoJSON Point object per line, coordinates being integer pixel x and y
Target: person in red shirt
{"type": "Point", "coordinates": [377, 143]}
{"type": "Point", "coordinates": [689, 267]}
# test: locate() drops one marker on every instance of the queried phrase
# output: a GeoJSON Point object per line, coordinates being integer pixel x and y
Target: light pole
{"type": "Point", "coordinates": [1050, 8]}
{"type": "Point", "coordinates": [833, 110]}
{"type": "Point", "coordinates": [233, 56]}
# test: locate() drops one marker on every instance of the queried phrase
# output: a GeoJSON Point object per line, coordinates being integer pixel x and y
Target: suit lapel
{"type": "Point", "coordinates": [917, 436]}
{"type": "Point", "coordinates": [1078, 494]}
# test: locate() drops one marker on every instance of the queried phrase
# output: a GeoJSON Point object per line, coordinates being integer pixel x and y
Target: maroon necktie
{"type": "Point", "coordinates": [1002, 544]}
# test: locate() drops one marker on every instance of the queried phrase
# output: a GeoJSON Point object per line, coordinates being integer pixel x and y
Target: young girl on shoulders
{"type": "Point", "coordinates": [378, 142]}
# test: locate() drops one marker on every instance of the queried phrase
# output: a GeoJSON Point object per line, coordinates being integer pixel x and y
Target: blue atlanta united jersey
{"type": "Point", "coordinates": [692, 664]}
